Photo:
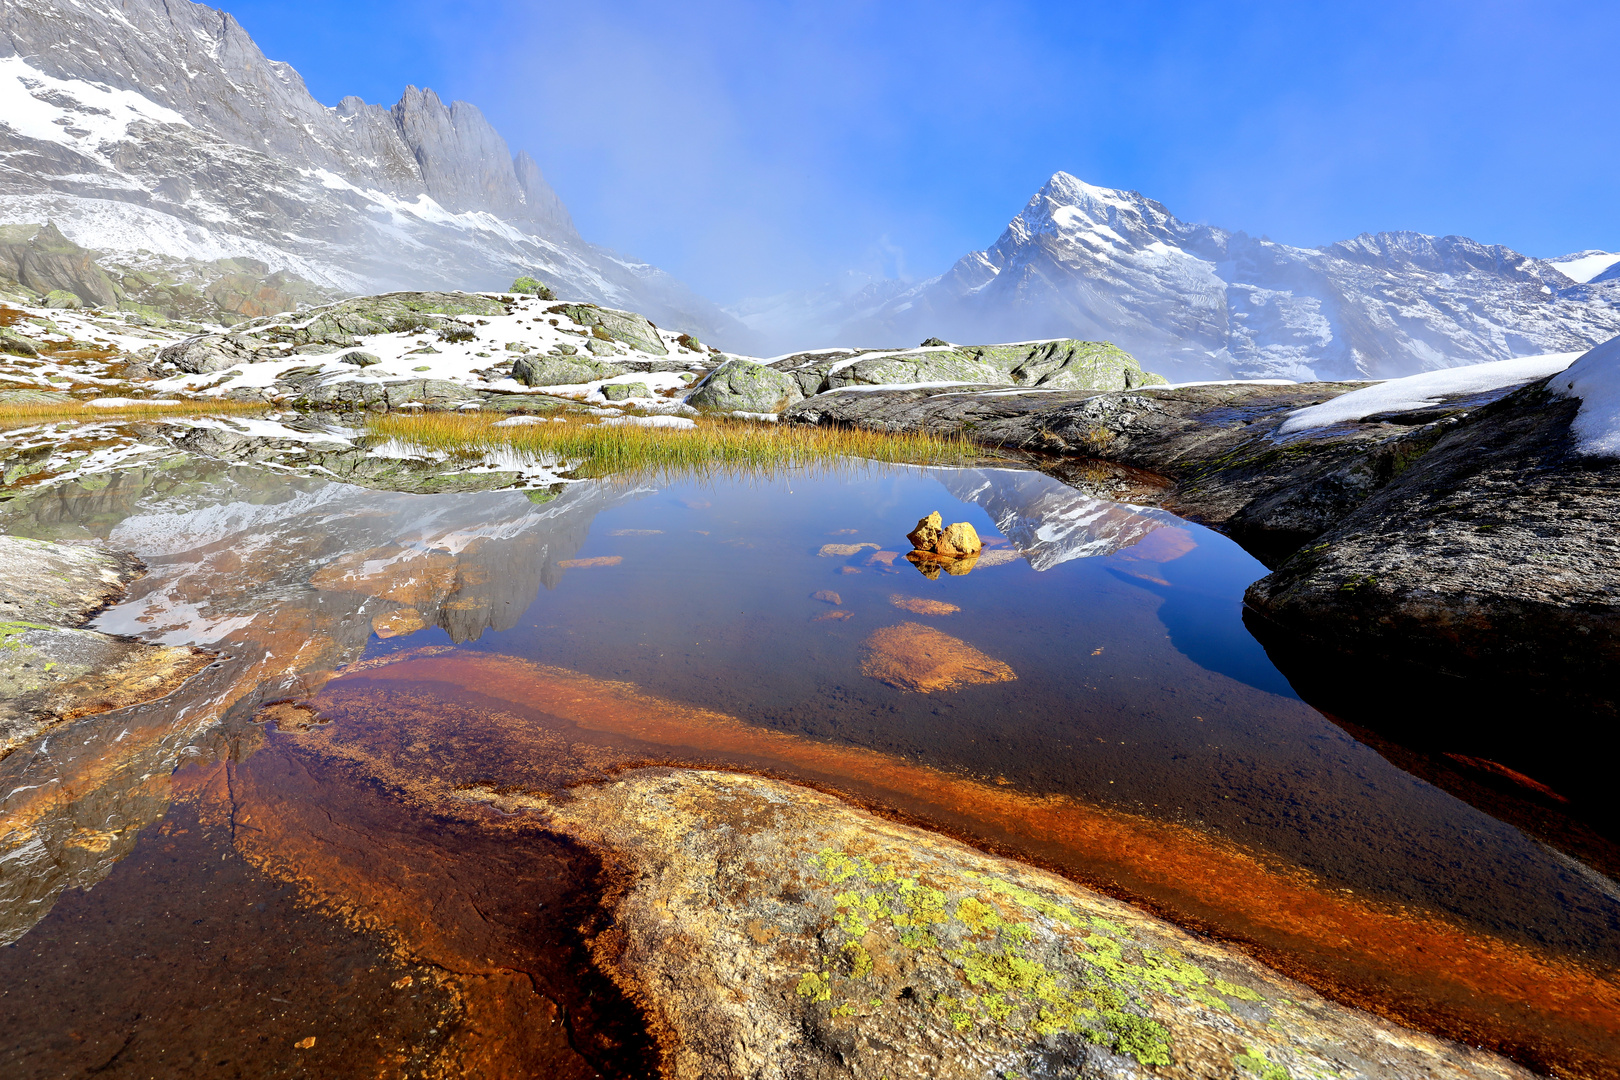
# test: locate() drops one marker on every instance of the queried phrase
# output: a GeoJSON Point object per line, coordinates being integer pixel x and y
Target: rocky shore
{"type": "Point", "coordinates": [768, 930]}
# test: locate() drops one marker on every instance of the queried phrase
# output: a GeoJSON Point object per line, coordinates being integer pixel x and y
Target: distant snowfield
{"type": "Point", "coordinates": [131, 230]}
{"type": "Point", "coordinates": [1422, 391]}
{"type": "Point", "coordinates": [1587, 265]}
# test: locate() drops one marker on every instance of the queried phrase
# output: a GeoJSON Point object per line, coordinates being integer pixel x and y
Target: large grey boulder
{"type": "Point", "coordinates": [1491, 556]}
{"type": "Point", "coordinates": [341, 391]}
{"type": "Point", "coordinates": [562, 370]}
{"type": "Point", "coordinates": [433, 394]}
{"type": "Point", "coordinates": [745, 386]}
{"type": "Point", "coordinates": [625, 391]}
{"type": "Point", "coordinates": [17, 344]}
{"type": "Point", "coordinates": [344, 323]}
{"type": "Point", "coordinates": [1063, 364]}
{"type": "Point", "coordinates": [625, 326]}
{"type": "Point", "coordinates": [208, 353]}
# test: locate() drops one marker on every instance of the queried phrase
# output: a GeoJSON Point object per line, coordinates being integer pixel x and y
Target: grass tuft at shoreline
{"type": "Point", "coordinates": [715, 445]}
{"type": "Point", "coordinates": [39, 412]}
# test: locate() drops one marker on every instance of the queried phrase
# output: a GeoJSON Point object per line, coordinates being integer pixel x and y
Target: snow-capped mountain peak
{"type": "Point", "coordinates": [149, 127]}
{"type": "Point", "coordinates": [1194, 301]}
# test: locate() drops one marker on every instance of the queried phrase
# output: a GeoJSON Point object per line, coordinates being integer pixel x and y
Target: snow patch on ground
{"type": "Point", "coordinates": [1422, 391]}
{"type": "Point", "coordinates": [1595, 379]}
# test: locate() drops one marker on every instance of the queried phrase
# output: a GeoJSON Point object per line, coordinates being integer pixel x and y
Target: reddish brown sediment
{"type": "Point", "coordinates": [495, 907]}
{"type": "Point", "coordinates": [186, 962]}
{"type": "Point", "coordinates": [1405, 963]}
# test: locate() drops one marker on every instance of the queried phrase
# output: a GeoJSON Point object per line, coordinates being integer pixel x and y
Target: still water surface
{"type": "Point", "coordinates": [1135, 736]}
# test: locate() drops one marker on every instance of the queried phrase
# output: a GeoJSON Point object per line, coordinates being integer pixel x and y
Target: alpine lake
{"type": "Point", "coordinates": [279, 869]}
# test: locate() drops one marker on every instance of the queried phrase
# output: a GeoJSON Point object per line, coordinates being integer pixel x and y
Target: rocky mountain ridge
{"type": "Point", "coordinates": [1199, 302]}
{"type": "Point", "coordinates": [142, 128]}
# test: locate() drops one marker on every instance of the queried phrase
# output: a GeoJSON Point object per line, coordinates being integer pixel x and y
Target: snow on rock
{"type": "Point", "coordinates": [1595, 379]}
{"type": "Point", "coordinates": [1425, 390]}
{"type": "Point", "coordinates": [525, 421]}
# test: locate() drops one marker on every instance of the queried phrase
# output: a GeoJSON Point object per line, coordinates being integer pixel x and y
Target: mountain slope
{"type": "Point", "coordinates": [1197, 302]}
{"type": "Point", "coordinates": [158, 125]}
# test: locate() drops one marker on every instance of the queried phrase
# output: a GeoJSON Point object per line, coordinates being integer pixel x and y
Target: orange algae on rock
{"type": "Point", "coordinates": [1408, 964]}
{"type": "Point", "coordinates": [915, 657]}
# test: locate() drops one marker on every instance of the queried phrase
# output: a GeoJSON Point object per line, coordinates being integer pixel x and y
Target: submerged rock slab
{"type": "Point", "coordinates": [49, 675]}
{"type": "Point", "coordinates": [60, 584]}
{"type": "Point", "coordinates": [915, 657]}
{"type": "Point", "coordinates": [50, 671]}
{"type": "Point", "coordinates": [774, 931]}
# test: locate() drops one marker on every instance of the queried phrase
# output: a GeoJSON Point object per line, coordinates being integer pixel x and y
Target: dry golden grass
{"type": "Point", "coordinates": [40, 412]}
{"type": "Point", "coordinates": [715, 445]}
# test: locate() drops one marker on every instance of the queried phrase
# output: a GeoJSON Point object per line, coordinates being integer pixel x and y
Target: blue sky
{"type": "Point", "coordinates": [751, 148]}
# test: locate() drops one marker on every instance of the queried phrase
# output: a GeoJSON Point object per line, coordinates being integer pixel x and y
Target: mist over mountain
{"type": "Point", "coordinates": [157, 130]}
{"type": "Point", "coordinates": [1198, 302]}
{"type": "Point", "coordinates": [158, 134]}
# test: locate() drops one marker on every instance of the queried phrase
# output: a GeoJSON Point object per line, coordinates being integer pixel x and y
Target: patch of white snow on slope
{"type": "Point", "coordinates": [1422, 391]}
{"type": "Point", "coordinates": [70, 112]}
{"type": "Point", "coordinates": [1587, 265]}
{"type": "Point", "coordinates": [1595, 379]}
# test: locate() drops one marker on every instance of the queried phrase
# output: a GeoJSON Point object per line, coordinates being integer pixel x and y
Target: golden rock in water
{"type": "Point", "coordinates": [953, 542]}
{"type": "Point", "coordinates": [398, 622]}
{"type": "Point", "coordinates": [958, 540]}
{"type": "Point", "coordinates": [927, 532]}
{"type": "Point", "coordinates": [912, 656]}
{"type": "Point", "coordinates": [929, 565]}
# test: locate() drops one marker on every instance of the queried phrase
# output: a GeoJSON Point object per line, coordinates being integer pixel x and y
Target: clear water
{"type": "Point", "coordinates": [1141, 710]}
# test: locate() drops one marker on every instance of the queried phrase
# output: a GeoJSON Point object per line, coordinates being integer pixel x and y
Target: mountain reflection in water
{"type": "Point", "coordinates": [1137, 702]}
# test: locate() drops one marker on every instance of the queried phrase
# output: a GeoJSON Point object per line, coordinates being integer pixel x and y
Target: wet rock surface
{"type": "Point", "coordinates": [50, 671]}
{"type": "Point", "coordinates": [60, 584]}
{"type": "Point", "coordinates": [1494, 553]}
{"type": "Point", "coordinates": [773, 931]}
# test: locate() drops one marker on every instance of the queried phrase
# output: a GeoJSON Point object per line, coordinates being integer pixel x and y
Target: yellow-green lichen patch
{"type": "Point", "coordinates": [9, 631]}
{"type": "Point", "coordinates": [1254, 1063]}
{"type": "Point", "coordinates": [1011, 963]}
